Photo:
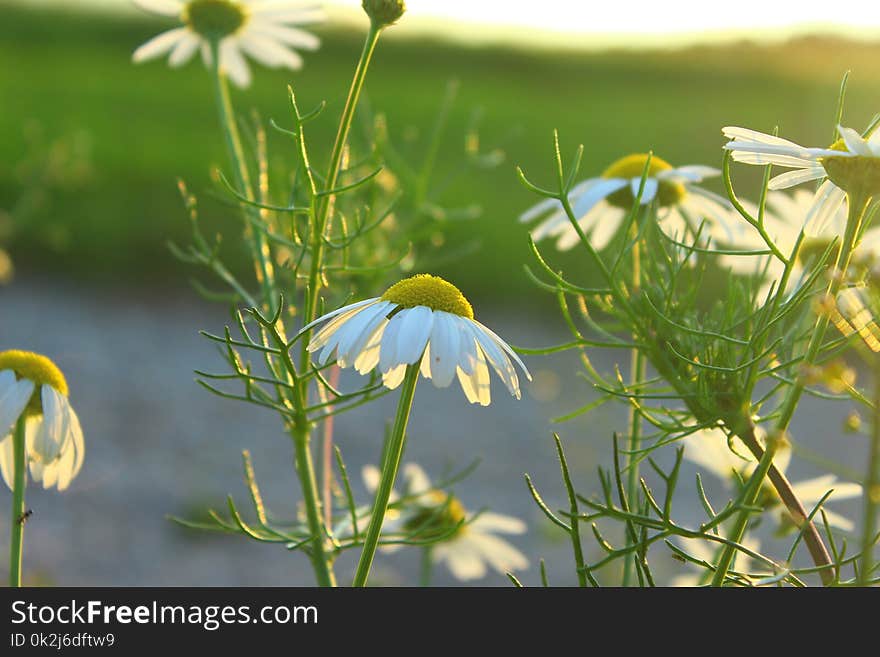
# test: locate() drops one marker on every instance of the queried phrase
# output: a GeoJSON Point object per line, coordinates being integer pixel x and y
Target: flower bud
{"type": "Point", "coordinates": [384, 12]}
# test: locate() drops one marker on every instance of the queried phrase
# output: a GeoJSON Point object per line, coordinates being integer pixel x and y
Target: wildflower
{"type": "Point", "coordinates": [600, 204]}
{"type": "Point", "coordinates": [263, 30]}
{"type": "Point", "coordinates": [466, 543]}
{"type": "Point", "coordinates": [384, 12]}
{"type": "Point", "coordinates": [851, 164]}
{"type": "Point", "coordinates": [732, 461]}
{"type": "Point", "coordinates": [32, 386]}
{"type": "Point", "coordinates": [422, 318]}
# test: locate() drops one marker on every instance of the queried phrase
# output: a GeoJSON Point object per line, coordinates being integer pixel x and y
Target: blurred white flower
{"type": "Point", "coordinates": [784, 218]}
{"type": "Point", "coordinates": [710, 451]}
{"type": "Point", "coordinates": [421, 317]}
{"type": "Point", "coordinates": [31, 386]}
{"type": "Point", "coordinates": [263, 29]}
{"type": "Point", "coordinates": [600, 204]}
{"type": "Point", "coordinates": [468, 545]}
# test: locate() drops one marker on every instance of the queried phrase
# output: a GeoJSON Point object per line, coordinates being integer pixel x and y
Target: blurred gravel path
{"type": "Point", "coordinates": [158, 444]}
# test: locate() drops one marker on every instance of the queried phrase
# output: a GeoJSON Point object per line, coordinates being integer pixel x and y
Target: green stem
{"type": "Point", "coordinates": [325, 204]}
{"type": "Point", "coordinates": [857, 208]}
{"type": "Point", "coordinates": [637, 374]}
{"type": "Point", "coordinates": [812, 538]}
{"type": "Point", "coordinates": [257, 240]}
{"type": "Point", "coordinates": [427, 566]}
{"type": "Point", "coordinates": [16, 520]}
{"type": "Point", "coordinates": [306, 471]}
{"type": "Point", "coordinates": [872, 490]}
{"type": "Point", "coordinates": [748, 498]}
{"type": "Point", "coordinates": [389, 473]}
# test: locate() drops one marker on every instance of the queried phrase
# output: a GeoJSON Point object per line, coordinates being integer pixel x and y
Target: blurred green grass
{"type": "Point", "coordinates": [70, 71]}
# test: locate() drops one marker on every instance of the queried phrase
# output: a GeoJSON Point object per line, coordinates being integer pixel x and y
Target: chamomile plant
{"type": "Point", "coordinates": [332, 235]}
{"type": "Point", "coordinates": [724, 372]}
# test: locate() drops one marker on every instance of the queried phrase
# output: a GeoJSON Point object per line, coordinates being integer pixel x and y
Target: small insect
{"type": "Point", "coordinates": [23, 518]}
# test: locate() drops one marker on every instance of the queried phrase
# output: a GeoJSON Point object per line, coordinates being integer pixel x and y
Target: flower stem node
{"type": "Point", "coordinates": [384, 12]}
{"type": "Point", "coordinates": [214, 19]}
{"type": "Point", "coordinates": [36, 368]}
{"type": "Point", "coordinates": [669, 192]}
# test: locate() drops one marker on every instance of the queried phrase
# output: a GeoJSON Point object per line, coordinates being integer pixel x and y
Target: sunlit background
{"type": "Point", "coordinates": [91, 147]}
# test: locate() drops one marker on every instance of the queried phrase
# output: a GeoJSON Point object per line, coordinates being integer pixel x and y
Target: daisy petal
{"type": "Point", "coordinates": [159, 45]}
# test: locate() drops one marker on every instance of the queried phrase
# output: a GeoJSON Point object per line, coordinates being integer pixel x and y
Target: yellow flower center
{"type": "Point", "coordinates": [440, 515]}
{"type": "Point", "coordinates": [36, 368]}
{"type": "Point", "coordinates": [633, 166]}
{"type": "Point", "coordinates": [858, 174]}
{"type": "Point", "coordinates": [430, 291]}
{"type": "Point", "coordinates": [214, 19]}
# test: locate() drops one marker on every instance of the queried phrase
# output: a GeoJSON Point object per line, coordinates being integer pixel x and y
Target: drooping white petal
{"type": "Point", "coordinates": [414, 333]}
{"type": "Point", "coordinates": [691, 173]}
{"type": "Point", "coordinates": [394, 377]}
{"type": "Point", "coordinates": [444, 351]}
{"type": "Point", "coordinates": [746, 156]}
{"type": "Point", "coordinates": [233, 63]}
{"type": "Point", "coordinates": [290, 36]}
{"type": "Point", "coordinates": [746, 134]}
{"type": "Point", "coordinates": [476, 385]}
{"type": "Point", "coordinates": [811, 491]}
{"type": "Point", "coordinates": [797, 177]}
{"type": "Point", "coordinates": [854, 142]}
{"type": "Point", "coordinates": [335, 313]}
{"type": "Point", "coordinates": [835, 519]}
{"type": "Point", "coordinates": [368, 358]}
{"type": "Point", "coordinates": [604, 219]}
{"type": "Point", "coordinates": [348, 352]}
{"type": "Point", "coordinates": [269, 52]}
{"type": "Point", "coordinates": [159, 45]}
{"type": "Point", "coordinates": [161, 7]}
{"type": "Point", "coordinates": [500, 554]}
{"type": "Point", "coordinates": [350, 327]}
{"type": "Point", "coordinates": [497, 351]}
{"type": "Point", "coordinates": [649, 192]}
{"type": "Point", "coordinates": [71, 461]}
{"type": "Point", "coordinates": [53, 433]}
{"type": "Point", "coordinates": [371, 476]}
{"type": "Point", "coordinates": [467, 347]}
{"type": "Point", "coordinates": [184, 50]}
{"type": "Point", "coordinates": [14, 397]}
{"type": "Point", "coordinates": [415, 479]}
{"type": "Point", "coordinates": [828, 201]}
{"type": "Point", "coordinates": [488, 521]}
{"type": "Point", "coordinates": [539, 209]}
{"type": "Point", "coordinates": [463, 559]}
{"type": "Point", "coordinates": [388, 349]}
{"type": "Point", "coordinates": [7, 461]}
{"type": "Point", "coordinates": [602, 188]}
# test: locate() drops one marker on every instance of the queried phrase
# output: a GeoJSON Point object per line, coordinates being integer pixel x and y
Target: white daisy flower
{"type": "Point", "coordinates": [471, 548]}
{"type": "Point", "coordinates": [600, 204]}
{"type": "Point", "coordinates": [422, 318]}
{"type": "Point", "coordinates": [261, 29]}
{"type": "Point", "coordinates": [851, 162]}
{"type": "Point", "coordinates": [32, 386]}
{"type": "Point", "coordinates": [709, 450]}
